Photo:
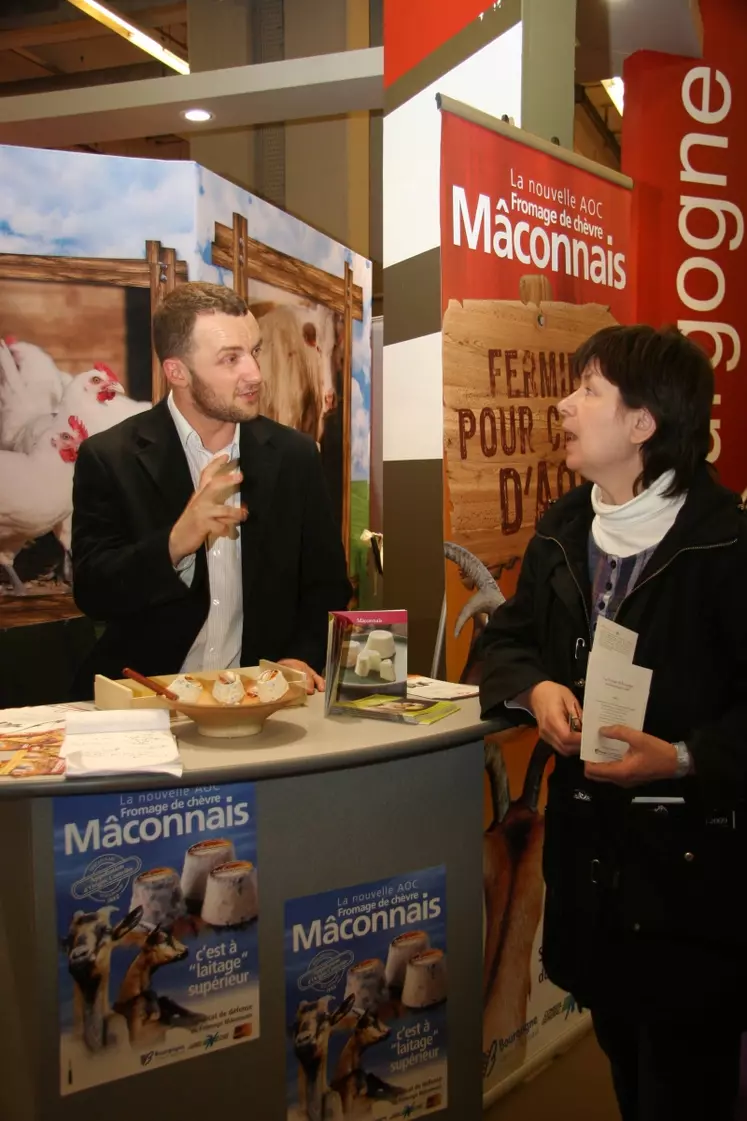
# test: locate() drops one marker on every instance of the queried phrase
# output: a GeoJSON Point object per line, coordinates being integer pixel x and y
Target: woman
{"type": "Point", "coordinates": [644, 899]}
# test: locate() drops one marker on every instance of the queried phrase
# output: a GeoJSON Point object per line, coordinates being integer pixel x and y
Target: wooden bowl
{"type": "Point", "coordinates": [231, 721]}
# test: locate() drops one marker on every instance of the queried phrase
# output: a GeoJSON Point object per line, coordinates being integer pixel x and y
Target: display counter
{"type": "Point", "coordinates": [339, 802]}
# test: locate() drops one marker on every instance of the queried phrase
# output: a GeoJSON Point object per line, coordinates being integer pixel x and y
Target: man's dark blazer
{"type": "Point", "coordinates": [132, 483]}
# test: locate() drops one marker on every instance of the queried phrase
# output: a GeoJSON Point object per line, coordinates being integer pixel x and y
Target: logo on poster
{"type": "Point", "coordinates": [326, 970]}
{"type": "Point", "coordinates": [106, 878]}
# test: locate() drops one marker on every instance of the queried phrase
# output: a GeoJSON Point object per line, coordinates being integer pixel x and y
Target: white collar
{"type": "Point", "coordinates": [623, 531]}
{"type": "Point", "coordinates": [187, 433]}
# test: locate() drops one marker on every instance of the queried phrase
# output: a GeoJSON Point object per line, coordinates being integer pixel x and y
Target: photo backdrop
{"type": "Point", "coordinates": [89, 245]}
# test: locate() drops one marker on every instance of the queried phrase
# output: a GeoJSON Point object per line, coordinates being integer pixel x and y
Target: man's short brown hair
{"type": "Point", "coordinates": [175, 318]}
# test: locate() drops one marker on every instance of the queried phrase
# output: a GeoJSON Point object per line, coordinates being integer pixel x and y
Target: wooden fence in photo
{"type": "Point", "coordinates": [160, 271]}
{"type": "Point", "coordinates": [248, 259]}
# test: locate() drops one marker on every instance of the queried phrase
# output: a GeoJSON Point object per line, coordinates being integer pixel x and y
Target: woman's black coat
{"type": "Point", "coordinates": [644, 903]}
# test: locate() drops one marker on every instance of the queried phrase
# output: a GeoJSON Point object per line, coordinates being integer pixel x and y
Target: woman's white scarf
{"type": "Point", "coordinates": [623, 531]}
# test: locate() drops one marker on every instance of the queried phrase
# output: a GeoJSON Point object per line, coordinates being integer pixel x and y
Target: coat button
{"type": "Point", "coordinates": [689, 857]}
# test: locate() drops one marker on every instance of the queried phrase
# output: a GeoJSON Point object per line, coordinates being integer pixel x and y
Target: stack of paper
{"type": "Point", "coordinates": [124, 741]}
{"type": "Point", "coordinates": [616, 691]}
{"type": "Point", "coordinates": [430, 689]}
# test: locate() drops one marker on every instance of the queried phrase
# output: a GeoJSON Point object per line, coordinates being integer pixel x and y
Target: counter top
{"type": "Point", "coordinates": [293, 742]}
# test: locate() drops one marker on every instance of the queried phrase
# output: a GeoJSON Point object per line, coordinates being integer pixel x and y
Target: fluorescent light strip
{"type": "Point", "coordinates": [616, 92]}
{"type": "Point", "coordinates": [130, 31]}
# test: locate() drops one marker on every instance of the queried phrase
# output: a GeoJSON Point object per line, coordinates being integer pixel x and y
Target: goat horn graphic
{"type": "Point", "coordinates": [495, 766]}
{"type": "Point", "coordinates": [488, 596]}
{"type": "Point", "coordinates": [534, 775]}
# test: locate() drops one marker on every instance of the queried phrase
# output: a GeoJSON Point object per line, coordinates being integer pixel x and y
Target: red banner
{"type": "Point", "coordinates": [534, 259]}
{"type": "Point", "coordinates": [413, 29]}
{"type": "Point", "coordinates": [683, 146]}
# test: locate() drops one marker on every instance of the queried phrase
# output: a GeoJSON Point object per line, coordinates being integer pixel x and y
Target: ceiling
{"type": "Point", "coordinates": [45, 42]}
{"type": "Point", "coordinates": [608, 31]}
{"type": "Point", "coordinates": [51, 54]}
{"type": "Point", "coordinates": [48, 45]}
{"type": "Point", "coordinates": [54, 59]}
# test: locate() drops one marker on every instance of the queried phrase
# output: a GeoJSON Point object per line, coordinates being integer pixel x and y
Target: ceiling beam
{"type": "Point", "coordinates": [606, 133]}
{"type": "Point", "coordinates": [239, 96]}
{"type": "Point", "coordinates": [76, 29]}
{"type": "Point", "coordinates": [34, 58]}
{"type": "Point", "coordinates": [81, 79]}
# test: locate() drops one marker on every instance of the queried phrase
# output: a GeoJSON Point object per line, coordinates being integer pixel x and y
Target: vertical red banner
{"type": "Point", "coordinates": [534, 259]}
{"type": "Point", "coordinates": [683, 146]}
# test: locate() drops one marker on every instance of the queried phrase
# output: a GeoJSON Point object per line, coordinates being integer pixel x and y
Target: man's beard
{"type": "Point", "coordinates": [208, 403]}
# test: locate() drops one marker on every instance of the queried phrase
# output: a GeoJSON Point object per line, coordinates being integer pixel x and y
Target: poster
{"type": "Point", "coordinates": [76, 358]}
{"type": "Point", "coordinates": [683, 146]}
{"type": "Point", "coordinates": [366, 1000]}
{"type": "Point", "coordinates": [524, 1013]}
{"type": "Point", "coordinates": [534, 259]}
{"type": "Point", "coordinates": [157, 915]}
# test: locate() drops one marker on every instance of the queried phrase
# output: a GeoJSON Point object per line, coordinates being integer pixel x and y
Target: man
{"type": "Point", "coordinates": [644, 857]}
{"type": "Point", "coordinates": [203, 534]}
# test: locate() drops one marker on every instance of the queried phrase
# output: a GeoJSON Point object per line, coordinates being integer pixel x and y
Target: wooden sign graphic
{"type": "Point", "coordinates": [506, 365]}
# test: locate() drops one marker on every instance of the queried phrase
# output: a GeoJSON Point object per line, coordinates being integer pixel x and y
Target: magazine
{"type": "Point", "coordinates": [404, 710]}
{"type": "Point", "coordinates": [366, 656]}
{"type": "Point", "coordinates": [31, 740]}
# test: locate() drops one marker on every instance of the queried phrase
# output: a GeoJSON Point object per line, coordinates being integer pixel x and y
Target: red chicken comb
{"type": "Point", "coordinates": [104, 369]}
{"type": "Point", "coordinates": [78, 427]}
{"type": "Point", "coordinates": [10, 340]}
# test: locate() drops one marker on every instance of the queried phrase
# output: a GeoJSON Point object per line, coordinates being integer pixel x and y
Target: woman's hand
{"type": "Point", "coordinates": [647, 759]}
{"type": "Point", "coordinates": [552, 706]}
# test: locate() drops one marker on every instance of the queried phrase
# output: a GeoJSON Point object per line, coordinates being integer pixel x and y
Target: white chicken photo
{"type": "Point", "coordinates": [45, 414]}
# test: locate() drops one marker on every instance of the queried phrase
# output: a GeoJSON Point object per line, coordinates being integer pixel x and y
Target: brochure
{"type": "Point", "coordinates": [366, 656]}
{"type": "Point", "coordinates": [406, 710]}
{"type": "Point", "coordinates": [617, 691]}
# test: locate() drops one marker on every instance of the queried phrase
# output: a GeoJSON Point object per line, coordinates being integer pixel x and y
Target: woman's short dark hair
{"type": "Point", "coordinates": [668, 374]}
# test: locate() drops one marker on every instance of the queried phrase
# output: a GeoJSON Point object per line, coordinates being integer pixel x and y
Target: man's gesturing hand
{"type": "Point", "coordinates": [206, 513]}
{"type": "Point", "coordinates": [551, 705]}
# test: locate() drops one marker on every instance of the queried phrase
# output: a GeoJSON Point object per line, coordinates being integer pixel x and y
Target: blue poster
{"type": "Point", "coordinates": [157, 911]}
{"type": "Point", "coordinates": [366, 993]}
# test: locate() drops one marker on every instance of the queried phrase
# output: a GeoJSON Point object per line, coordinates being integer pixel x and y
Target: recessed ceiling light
{"type": "Point", "coordinates": [197, 115]}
